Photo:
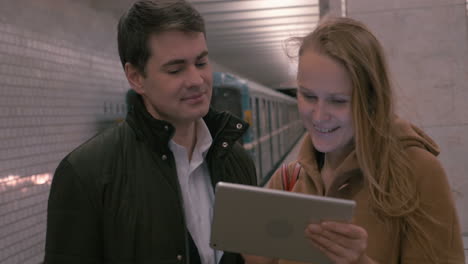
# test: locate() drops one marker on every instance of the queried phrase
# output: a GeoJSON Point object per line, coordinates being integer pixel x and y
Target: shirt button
{"type": "Point", "coordinates": [164, 157]}
{"type": "Point", "coordinates": [239, 126]}
{"type": "Point", "coordinates": [179, 257]}
{"type": "Point", "coordinates": [225, 144]}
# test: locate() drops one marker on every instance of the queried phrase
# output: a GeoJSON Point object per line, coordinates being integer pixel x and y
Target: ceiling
{"type": "Point", "coordinates": [248, 36]}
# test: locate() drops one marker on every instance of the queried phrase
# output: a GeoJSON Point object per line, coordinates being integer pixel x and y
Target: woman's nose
{"type": "Point", "coordinates": [320, 112]}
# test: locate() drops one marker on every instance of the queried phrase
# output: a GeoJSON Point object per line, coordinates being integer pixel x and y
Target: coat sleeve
{"type": "Point", "coordinates": [436, 200]}
{"type": "Point", "coordinates": [72, 222]}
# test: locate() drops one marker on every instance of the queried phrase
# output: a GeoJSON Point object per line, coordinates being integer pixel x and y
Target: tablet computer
{"type": "Point", "coordinates": [271, 223]}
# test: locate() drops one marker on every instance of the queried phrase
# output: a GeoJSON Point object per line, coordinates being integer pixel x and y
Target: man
{"type": "Point", "coordinates": [142, 192]}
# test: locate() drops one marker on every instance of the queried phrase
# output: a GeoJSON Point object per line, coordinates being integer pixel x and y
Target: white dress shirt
{"type": "Point", "coordinates": [197, 192]}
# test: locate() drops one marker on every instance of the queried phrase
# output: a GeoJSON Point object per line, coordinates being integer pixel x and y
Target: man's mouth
{"type": "Point", "coordinates": [193, 97]}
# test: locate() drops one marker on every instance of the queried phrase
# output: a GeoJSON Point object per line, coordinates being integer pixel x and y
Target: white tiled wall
{"type": "Point", "coordinates": [60, 83]}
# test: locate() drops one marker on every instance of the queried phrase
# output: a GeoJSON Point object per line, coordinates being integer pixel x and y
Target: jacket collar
{"type": "Point", "coordinates": [225, 129]}
{"type": "Point", "coordinates": [348, 178]}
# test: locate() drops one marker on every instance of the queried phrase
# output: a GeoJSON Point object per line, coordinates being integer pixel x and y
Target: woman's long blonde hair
{"type": "Point", "coordinates": [382, 159]}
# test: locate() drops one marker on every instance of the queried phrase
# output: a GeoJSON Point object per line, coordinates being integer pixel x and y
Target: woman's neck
{"type": "Point", "coordinates": [333, 160]}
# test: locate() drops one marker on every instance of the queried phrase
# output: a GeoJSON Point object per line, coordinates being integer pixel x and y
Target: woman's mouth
{"type": "Point", "coordinates": [325, 130]}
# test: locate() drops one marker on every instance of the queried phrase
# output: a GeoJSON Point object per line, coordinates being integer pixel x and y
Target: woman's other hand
{"type": "Point", "coordinates": [249, 259]}
{"type": "Point", "coordinates": [343, 243]}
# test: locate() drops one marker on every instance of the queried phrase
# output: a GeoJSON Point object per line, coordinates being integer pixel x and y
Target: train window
{"type": "Point", "coordinates": [253, 107]}
{"type": "Point", "coordinates": [270, 123]}
{"type": "Point", "coordinates": [227, 98]}
{"type": "Point", "coordinates": [252, 112]}
{"type": "Point", "coordinates": [258, 148]}
{"type": "Point", "coordinates": [258, 118]}
{"type": "Point", "coordinates": [283, 114]}
{"type": "Point", "coordinates": [278, 127]}
{"type": "Point", "coordinates": [277, 115]}
{"type": "Point", "coordinates": [264, 119]}
{"type": "Point", "coordinates": [273, 116]}
{"type": "Point", "coordinates": [270, 131]}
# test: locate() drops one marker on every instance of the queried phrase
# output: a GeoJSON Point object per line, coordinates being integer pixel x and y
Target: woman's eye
{"type": "Point", "coordinates": [309, 96]}
{"type": "Point", "coordinates": [339, 101]}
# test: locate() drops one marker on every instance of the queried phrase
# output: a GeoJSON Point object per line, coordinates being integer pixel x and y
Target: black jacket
{"type": "Point", "coordinates": [116, 198]}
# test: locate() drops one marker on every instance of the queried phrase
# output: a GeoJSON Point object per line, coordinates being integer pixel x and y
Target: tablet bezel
{"type": "Point", "coordinates": [266, 222]}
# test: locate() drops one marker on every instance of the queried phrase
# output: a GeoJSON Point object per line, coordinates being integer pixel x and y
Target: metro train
{"type": "Point", "coordinates": [274, 120]}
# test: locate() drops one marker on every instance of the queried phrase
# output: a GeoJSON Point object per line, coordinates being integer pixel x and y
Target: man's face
{"type": "Point", "coordinates": [178, 82]}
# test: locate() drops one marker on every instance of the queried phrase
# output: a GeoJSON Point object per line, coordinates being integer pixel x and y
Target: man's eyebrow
{"type": "Point", "coordinates": [203, 54]}
{"type": "Point", "coordinates": [173, 62]}
{"type": "Point", "coordinates": [183, 61]}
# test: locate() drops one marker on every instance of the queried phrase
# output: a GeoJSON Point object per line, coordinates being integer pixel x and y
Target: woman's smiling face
{"type": "Point", "coordinates": [324, 101]}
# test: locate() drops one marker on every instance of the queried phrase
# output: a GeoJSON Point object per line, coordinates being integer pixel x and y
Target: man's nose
{"type": "Point", "coordinates": [194, 77]}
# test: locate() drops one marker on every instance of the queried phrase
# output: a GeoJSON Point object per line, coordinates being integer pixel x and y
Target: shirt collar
{"type": "Point", "coordinates": [204, 140]}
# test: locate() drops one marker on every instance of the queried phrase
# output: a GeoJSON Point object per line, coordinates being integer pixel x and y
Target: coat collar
{"type": "Point", "coordinates": [348, 178]}
{"type": "Point", "coordinates": [225, 129]}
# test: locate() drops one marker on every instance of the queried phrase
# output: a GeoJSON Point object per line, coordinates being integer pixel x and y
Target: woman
{"type": "Point", "coordinates": [358, 149]}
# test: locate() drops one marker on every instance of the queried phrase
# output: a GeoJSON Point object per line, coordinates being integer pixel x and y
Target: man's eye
{"type": "Point", "coordinates": [201, 64]}
{"type": "Point", "coordinates": [173, 71]}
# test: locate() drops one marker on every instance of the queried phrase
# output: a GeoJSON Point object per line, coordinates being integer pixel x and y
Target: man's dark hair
{"type": "Point", "coordinates": [145, 18]}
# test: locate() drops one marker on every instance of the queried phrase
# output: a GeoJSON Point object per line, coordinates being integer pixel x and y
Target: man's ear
{"type": "Point", "coordinates": [134, 77]}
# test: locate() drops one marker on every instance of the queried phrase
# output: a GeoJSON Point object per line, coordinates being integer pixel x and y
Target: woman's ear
{"type": "Point", "coordinates": [134, 78]}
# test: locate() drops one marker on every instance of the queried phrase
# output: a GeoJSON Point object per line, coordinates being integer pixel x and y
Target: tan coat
{"type": "Point", "coordinates": [389, 246]}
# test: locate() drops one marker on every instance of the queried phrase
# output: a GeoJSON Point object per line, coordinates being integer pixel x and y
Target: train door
{"type": "Point", "coordinates": [283, 128]}
{"type": "Point", "coordinates": [258, 136]}
{"type": "Point", "coordinates": [264, 139]}
{"type": "Point", "coordinates": [271, 128]}
{"type": "Point", "coordinates": [291, 127]}
{"type": "Point", "coordinates": [278, 130]}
